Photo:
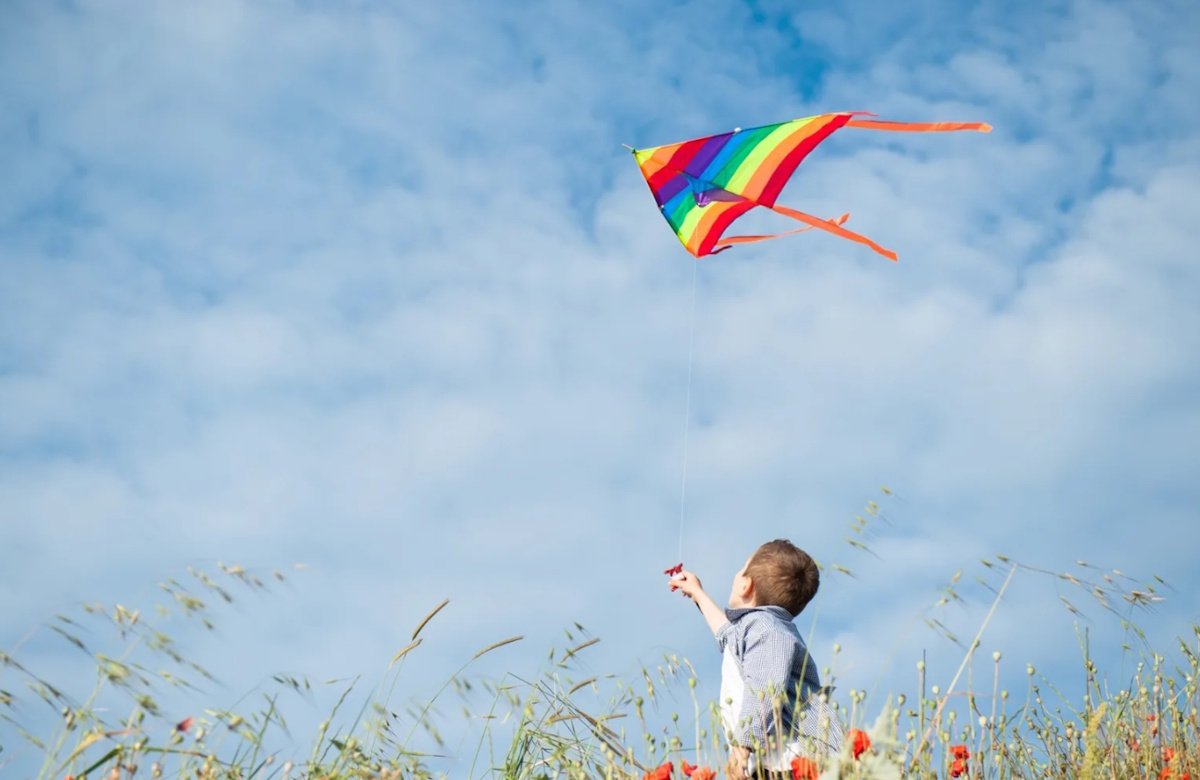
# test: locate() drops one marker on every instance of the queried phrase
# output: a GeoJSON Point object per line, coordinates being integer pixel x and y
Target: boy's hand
{"type": "Point", "coordinates": [739, 758]}
{"type": "Point", "coordinates": [687, 583]}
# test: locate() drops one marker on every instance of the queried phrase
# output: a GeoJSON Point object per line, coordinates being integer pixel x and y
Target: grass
{"type": "Point", "coordinates": [1142, 726]}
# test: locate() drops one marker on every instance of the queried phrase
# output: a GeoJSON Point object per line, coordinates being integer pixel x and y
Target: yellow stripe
{"type": "Point", "coordinates": [687, 230]}
{"type": "Point", "coordinates": [753, 160]}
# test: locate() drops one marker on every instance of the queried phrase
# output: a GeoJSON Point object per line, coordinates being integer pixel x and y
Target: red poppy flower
{"type": "Point", "coordinates": [1168, 774]}
{"type": "Point", "coordinates": [805, 769]}
{"type": "Point", "coordinates": [676, 569]}
{"type": "Point", "coordinates": [184, 724]}
{"type": "Point", "coordinates": [958, 768]}
{"type": "Point", "coordinates": [703, 773]}
{"type": "Point", "coordinates": [960, 752]}
{"type": "Point", "coordinates": [860, 742]}
{"type": "Point", "coordinates": [1168, 754]}
{"type": "Point", "coordinates": [663, 772]}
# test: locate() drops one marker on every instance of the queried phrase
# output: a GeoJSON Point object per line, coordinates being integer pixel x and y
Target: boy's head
{"type": "Point", "coordinates": [778, 574]}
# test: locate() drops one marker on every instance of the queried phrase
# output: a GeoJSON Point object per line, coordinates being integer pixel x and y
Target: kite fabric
{"type": "Point", "coordinates": [703, 185]}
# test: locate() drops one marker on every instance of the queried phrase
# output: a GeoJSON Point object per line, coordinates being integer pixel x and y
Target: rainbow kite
{"type": "Point", "coordinates": [703, 185]}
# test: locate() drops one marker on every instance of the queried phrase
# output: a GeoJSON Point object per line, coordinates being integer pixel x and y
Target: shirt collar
{"type": "Point", "coordinates": [771, 609]}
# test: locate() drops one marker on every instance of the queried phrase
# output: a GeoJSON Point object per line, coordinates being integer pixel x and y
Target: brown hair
{"type": "Point", "coordinates": [784, 576]}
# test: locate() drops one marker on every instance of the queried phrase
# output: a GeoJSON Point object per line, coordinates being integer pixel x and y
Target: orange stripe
{"type": "Point", "coordinates": [758, 182]}
{"type": "Point", "coordinates": [712, 212]}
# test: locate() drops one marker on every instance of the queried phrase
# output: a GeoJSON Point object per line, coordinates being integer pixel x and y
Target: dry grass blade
{"type": "Point", "coordinates": [566, 657]}
{"type": "Point", "coordinates": [404, 651]}
{"type": "Point", "coordinates": [581, 685]}
{"type": "Point", "coordinates": [429, 617]}
{"type": "Point", "coordinates": [495, 645]}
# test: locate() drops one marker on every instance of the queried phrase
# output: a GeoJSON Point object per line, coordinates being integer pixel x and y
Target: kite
{"type": "Point", "coordinates": [703, 185]}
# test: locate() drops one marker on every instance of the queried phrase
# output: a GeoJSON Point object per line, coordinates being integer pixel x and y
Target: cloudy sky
{"type": "Point", "coordinates": [373, 287]}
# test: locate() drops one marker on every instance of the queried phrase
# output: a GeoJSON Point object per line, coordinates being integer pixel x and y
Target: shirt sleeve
{"type": "Point", "coordinates": [766, 664]}
{"type": "Point", "coordinates": [726, 634]}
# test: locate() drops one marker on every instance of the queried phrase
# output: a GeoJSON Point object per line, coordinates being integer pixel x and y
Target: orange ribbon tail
{"type": "Point", "coordinates": [729, 241]}
{"type": "Point", "coordinates": [831, 226]}
{"type": "Point", "coordinates": [918, 127]}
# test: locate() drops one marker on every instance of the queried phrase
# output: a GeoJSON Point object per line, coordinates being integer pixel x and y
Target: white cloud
{"type": "Point", "coordinates": [379, 290]}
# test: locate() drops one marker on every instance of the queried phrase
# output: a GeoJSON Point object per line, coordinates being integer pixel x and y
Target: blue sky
{"type": "Point", "coordinates": [374, 287]}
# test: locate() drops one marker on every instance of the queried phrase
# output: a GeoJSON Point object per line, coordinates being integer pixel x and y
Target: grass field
{"type": "Point", "coordinates": [1142, 726]}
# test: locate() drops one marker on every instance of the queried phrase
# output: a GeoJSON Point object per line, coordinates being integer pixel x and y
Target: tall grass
{"type": "Point", "coordinates": [541, 726]}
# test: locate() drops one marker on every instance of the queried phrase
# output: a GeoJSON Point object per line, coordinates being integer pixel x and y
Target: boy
{"type": "Point", "coordinates": [770, 689]}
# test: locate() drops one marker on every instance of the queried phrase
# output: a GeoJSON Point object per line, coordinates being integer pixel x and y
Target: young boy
{"type": "Point", "coordinates": [770, 690]}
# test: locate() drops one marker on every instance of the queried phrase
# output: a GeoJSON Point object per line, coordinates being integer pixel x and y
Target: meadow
{"type": "Point", "coordinates": [1141, 726]}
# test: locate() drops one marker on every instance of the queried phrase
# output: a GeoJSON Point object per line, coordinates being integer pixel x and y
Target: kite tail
{"type": "Point", "coordinates": [833, 227]}
{"type": "Point", "coordinates": [918, 127]}
{"type": "Point", "coordinates": [729, 241]}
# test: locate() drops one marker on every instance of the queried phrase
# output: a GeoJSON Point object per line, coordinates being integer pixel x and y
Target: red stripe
{"type": "Point", "coordinates": [677, 162]}
{"type": "Point", "coordinates": [718, 227]}
{"type": "Point", "coordinates": [684, 154]}
{"type": "Point", "coordinates": [796, 156]}
{"type": "Point", "coordinates": [660, 177]}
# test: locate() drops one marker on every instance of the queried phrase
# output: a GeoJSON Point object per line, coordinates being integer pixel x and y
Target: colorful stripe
{"type": "Point", "coordinates": [703, 185]}
{"type": "Point", "coordinates": [753, 164]}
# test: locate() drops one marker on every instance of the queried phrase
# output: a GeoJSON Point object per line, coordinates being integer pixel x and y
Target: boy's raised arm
{"type": "Point", "coordinates": [689, 584]}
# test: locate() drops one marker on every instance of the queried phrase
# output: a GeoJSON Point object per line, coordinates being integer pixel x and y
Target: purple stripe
{"type": "Point", "coordinates": [707, 152]}
{"type": "Point", "coordinates": [672, 188]}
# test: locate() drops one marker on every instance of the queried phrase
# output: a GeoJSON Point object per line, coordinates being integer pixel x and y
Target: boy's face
{"type": "Point", "coordinates": [741, 595]}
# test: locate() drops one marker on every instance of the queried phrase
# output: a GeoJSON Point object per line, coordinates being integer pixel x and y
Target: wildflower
{"type": "Point", "coordinates": [184, 724]}
{"type": "Point", "coordinates": [676, 569]}
{"type": "Point", "coordinates": [697, 772]}
{"type": "Point", "coordinates": [859, 742]}
{"type": "Point", "coordinates": [961, 756]}
{"type": "Point", "coordinates": [663, 772]}
{"type": "Point", "coordinates": [805, 769]}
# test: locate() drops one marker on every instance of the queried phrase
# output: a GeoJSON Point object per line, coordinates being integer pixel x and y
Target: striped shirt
{"type": "Point", "coordinates": [770, 689]}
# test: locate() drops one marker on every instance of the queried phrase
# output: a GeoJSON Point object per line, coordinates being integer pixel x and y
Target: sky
{"type": "Point", "coordinates": [373, 287]}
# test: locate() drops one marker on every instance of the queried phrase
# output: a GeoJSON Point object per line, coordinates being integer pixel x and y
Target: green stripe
{"type": "Point", "coordinates": [754, 160]}
{"type": "Point", "coordinates": [746, 146]}
{"type": "Point", "coordinates": [686, 206]}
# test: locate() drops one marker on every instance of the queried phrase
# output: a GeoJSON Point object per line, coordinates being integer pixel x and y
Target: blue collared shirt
{"type": "Point", "coordinates": [767, 671]}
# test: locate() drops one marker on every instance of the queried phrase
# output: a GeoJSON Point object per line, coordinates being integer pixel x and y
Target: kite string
{"type": "Point", "coordinates": [687, 411]}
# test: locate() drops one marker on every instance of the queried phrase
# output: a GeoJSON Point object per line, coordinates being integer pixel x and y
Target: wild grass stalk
{"type": "Point", "coordinates": [559, 723]}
